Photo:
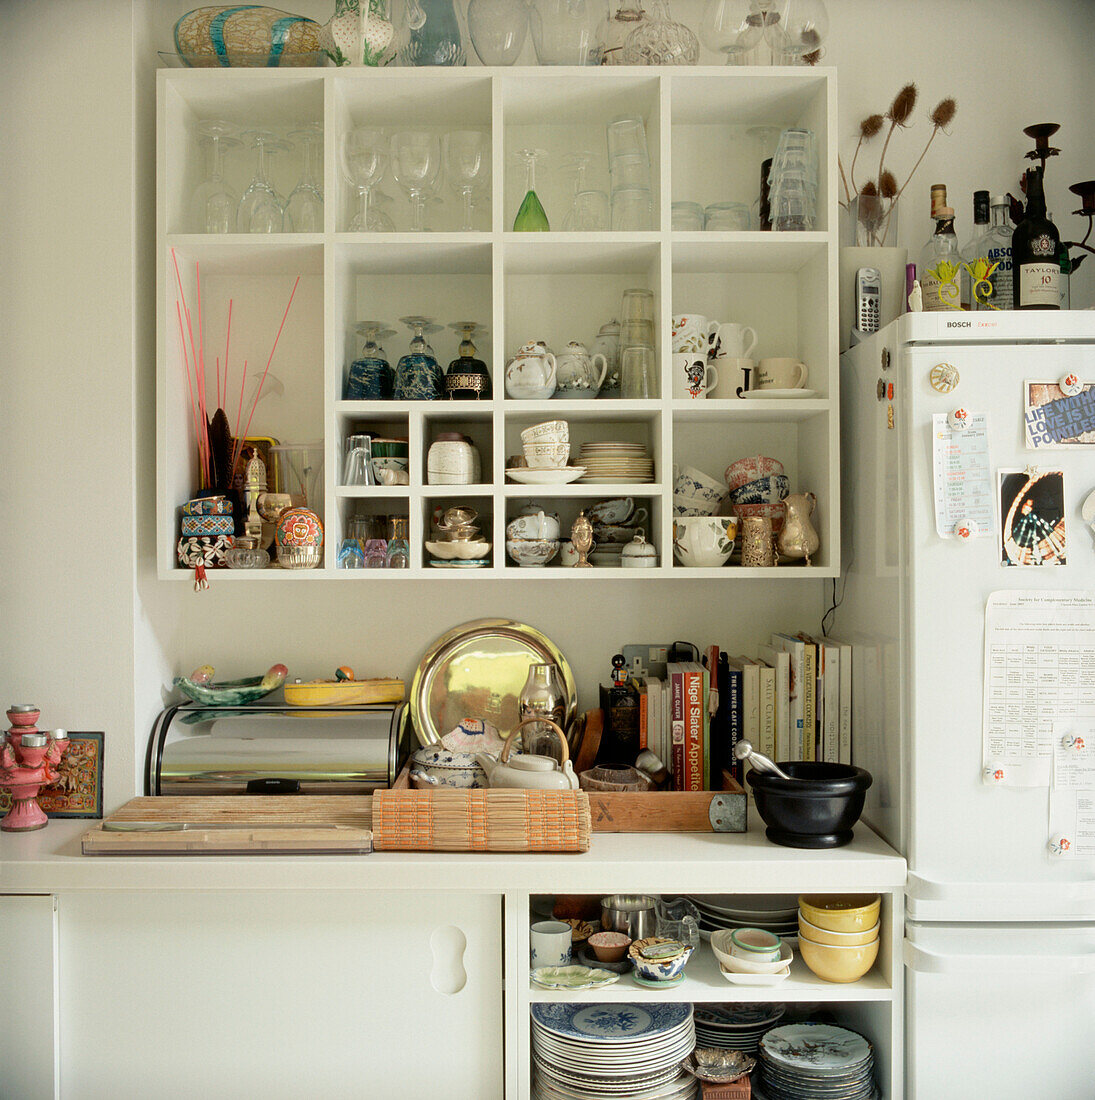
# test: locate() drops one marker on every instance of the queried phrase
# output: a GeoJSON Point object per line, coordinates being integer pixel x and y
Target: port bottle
{"type": "Point", "coordinates": [1035, 248]}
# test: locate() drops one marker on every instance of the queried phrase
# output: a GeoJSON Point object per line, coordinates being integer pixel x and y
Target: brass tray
{"type": "Point", "coordinates": [477, 670]}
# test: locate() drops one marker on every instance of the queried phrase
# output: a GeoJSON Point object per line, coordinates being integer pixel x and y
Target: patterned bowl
{"type": "Point", "coordinates": [764, 490]}
{"type": "Point", "coordinates": [658, 959]}
{"type": "Point", "coordinates": [749, 469]}
{"type": "Point", "coordinates": [774, 512]}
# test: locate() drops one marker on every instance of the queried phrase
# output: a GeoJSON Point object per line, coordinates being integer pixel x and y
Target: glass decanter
{"type": "Point", "coordinates": [468, 378]}
{"type": "Point", "coordinates": [625, 19]}
{"type": "Point", "coordinates": [531, 217]}
{"type": "Point", "coordinates": [370, 377]}
{"type": "Point", "coordinates": [434, 34]}
{"type": "Point", "coordinates": [660, 40]}
{"type": "Point", "coordinates": [213, 207]}
{"type": "Point", "coordinates": [418, 376]}
{"type": "Point", "coordinates": [497, 29]}
{"type": "Point", "coordinates": [304, 210]}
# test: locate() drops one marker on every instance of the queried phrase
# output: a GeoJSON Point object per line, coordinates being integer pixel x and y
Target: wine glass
{"type": "Point", "coordinates": [530, 217]}
{"type": "Point", "coordinates": [416, 161]}
{"type": "Point", "coordinates": [259, 209]}
{"type": "Point", "coordinates": [467, 166]}
{"type": "Point", "coordinates": [800, 27]}
{"type": "Point", "coordinates": [576, 164]}
{"type": "Point", "coordinates": [213, 206]}
{"type": "Point", "coordinates": [304, 210]}
{"type": "Point", "coordinates": [732, 27]}
{"type": "Point", "coordinates": [364, 155]}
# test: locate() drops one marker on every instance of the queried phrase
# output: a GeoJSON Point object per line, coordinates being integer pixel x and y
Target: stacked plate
{"type": "Point", "coordinates": [776, 913]}
{"type": "Point", "coordinates": [735, 1026]}
{"type": "Point", "coordinates": [616, 463]}
{"type": "Point", "coordinates": [592, 1051]}
{"type": "Point", "coordinates": [816, 1061]}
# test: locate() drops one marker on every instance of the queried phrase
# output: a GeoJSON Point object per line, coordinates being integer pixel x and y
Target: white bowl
{"type": "Point", "coordinates": [693, 506]}
{"type": "Point", "coordinates": [550, 431]}
{"type": "Point", "coordinates": [547, 455]}
{"type": "Point", "coordinates": [739, 978]}
{"type": "Point", "coordinates": [532, 553]}
{"type": "Point", "coordinates": [458, 551]}
{"type": "Point", "coordinates": [720, 945]}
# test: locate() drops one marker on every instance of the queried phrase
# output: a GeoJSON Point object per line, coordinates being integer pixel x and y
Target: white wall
{"type": "Point", "coordinates": [89, 633]}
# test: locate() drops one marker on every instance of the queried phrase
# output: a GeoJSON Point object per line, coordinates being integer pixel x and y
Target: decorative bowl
{"type": "Point", "coordinates": [775, 512]}
{"type": "Point", "coordinates": [816, 808]}
{"type": "Point", "coordinates": [609, 947]}
{"type": "Point", "coordinates": [704, 541]}
{"type": "Point", "coordinates": [458, 549]}
{"type": "Point", "coordinates": [720, 945]}
{"type": "Point", "coordinates": [231, 692]}
{"type": "Point", "coordinates": [764, 490]}
{"type": "Point", "coordinates": [532, 553]}
{"type": "Point", "coordinates": [693, 506]}
{"type": "Point", "coordinates": [742, 977]}
{"type": "Point", "coordinates": [547, 455]}
{"type": "Point", "coordinates": [440, 767]}
{"type": "Point", "coordinates": [817, 934]}
{"type": "Point", "coordinates": [745, 470]}
{"type": "Point", "coordinates": [718, 1066]}
{"type": "Point", "coordinates": [658, 959]}
{"type": "Point", "coordinates": [838, 964]}
{"type": "Point", "coordinates": [690, 482]}
{"type": "Point", "coordinates": [550, 431]}
{"type": "Point", "coordinates": [841, 912]}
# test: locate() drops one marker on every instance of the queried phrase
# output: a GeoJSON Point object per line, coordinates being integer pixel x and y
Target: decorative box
{"type": "Point", "coordinates": [210, 552]}
{"type": "Point", "coordinates": [738, 1090]}
{"type": "Point", "coordinates": [207, 526]}
{"type": "Point", "coordinates": [207, 506]}
{"type": "Point", "coordinates": [299, 538]}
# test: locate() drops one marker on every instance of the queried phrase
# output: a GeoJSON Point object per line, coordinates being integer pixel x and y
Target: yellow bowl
{"type": "Point", "coordinates": [841, 912]}
{"type": "Point", "coordinates": [809, 931]}
{"type": "Point", "coordinates": [838, 964]}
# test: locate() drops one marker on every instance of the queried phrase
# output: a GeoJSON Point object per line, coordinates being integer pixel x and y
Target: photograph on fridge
{"type": "Point", "coordinates": [1032, 511]}
{"type": "Point", "coordinates": [1060, 414]}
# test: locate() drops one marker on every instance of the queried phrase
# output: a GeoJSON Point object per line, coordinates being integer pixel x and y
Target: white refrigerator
{"type": "Point", "coordinates": [1000, 932]}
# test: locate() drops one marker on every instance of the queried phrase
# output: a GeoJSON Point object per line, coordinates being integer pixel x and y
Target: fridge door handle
{"type": "Point", "coordinates": [924, 961]}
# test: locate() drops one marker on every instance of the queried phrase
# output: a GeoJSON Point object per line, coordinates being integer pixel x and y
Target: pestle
{"type": "Point", "coordinates": [744, 750]}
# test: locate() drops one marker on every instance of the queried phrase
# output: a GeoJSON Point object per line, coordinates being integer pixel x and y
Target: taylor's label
{"type": "Point", "coordinates": [1040, 285]}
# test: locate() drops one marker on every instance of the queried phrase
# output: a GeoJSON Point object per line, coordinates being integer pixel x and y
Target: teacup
{"type": "Point", "coordinates": [550, 943]}
{"type": "Point", "coordinates": [693, 376]}
{"type": "Point", "coordinates": [755, 944]}
{"type": "Point", "coordinates": [734, 376]}
{"type": "Point", "coordinates": [616, 510]}
{"type": "Point", "coordinates": [733, 340]}
{"type": "Point", "coordinates": [618, 533]}
{"type": "Point", "coordinates": [547, 455]}
{"type": "Point", "coordinates": [749, 469]}
{"type": "Point", "coordinates": [690, 482]}
{"type": "Point", "coordinates": [692, 506]}
{"type": "Point", "coordinates": [692, 333]}
{"type": "Point", "coordinates": [781, 374]}
{"type": "Point", "coordinates": [568, 556]}
{"type": "Point", "coordinates": [550, 431]}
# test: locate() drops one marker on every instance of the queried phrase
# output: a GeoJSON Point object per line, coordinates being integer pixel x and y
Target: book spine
{"type": "Point", "coordinates": [767, 710]}
{"type": "Point", "coordinates": [844, 737]}
{"type": "Point", "coordinates": [706, 679]}
{"type": "Point", "coordinates": [732, 763]}
{"type": "Point", "coordinates": [676, 711]}
{"type": "Point", "coordinates": [831, 733]}
{"type": "Point", "coordinates": [693, 730]}
{"type": "Point", "coordinates": [809, 713]}
{"type": "Point", "coordinates": [644, 718]}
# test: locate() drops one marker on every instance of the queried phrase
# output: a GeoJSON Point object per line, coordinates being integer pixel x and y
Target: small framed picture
{"type": "Point", "coordinates": [1032, 517]}
{"type": "Point", "coordinates": [79, 790]}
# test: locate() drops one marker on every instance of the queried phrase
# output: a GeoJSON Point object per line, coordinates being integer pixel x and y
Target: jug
{"type": "Point", "coordinates": [798, 538]}
{"type": "Point", "coordinates": [527, 771]}
{"type": "Point", "coordinates": [577, 375]}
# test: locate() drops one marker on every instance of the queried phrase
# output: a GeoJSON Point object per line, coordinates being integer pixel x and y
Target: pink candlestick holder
{"type": "Point", "coordinates": [28, 762]}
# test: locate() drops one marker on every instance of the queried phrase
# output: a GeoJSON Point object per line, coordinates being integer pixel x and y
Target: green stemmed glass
{"type": "Point", "coordinates": [531, 217]}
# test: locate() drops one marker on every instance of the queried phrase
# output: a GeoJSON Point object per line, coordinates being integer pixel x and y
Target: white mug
{"type": "Point", "coordinates": [549, 941]}
{"type": "Point", "coordinates": [693, 376]}
{"type": "Point", "coordinates": [780, 374]}
{"type": "Point", "coordinates": [734, 377]}
{"type": "Point", "coordinates": [691, 333]}
{"type": "Point", "coordinates": [733, 340]}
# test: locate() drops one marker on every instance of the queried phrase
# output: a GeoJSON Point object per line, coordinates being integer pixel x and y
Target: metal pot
{"type": "Point", "coordinates": [632, 914]}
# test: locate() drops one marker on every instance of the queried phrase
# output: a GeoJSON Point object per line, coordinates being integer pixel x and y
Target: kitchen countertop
{"type": "Point", "coordinates": [49, 861]}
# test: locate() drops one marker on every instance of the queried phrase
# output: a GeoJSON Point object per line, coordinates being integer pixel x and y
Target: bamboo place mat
{"type": "Point", "coordinates": [481, 821]}
{"type": "Point", "coordinates": [235, 825]}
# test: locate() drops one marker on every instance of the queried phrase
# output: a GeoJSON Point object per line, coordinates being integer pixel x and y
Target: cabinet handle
{"type": "Point", "coordinates": [924, 961]}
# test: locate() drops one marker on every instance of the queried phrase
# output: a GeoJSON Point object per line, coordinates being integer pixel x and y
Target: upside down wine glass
{"type": "Point", "coordinates": [531, 217]}
{"type": "Point", "coordinates": [304, 210]}
{"type": "Point", "coordinates": [213, 207]}
{"type": "Point", "coordinates": [260, 211]}
{"type": "Point", "coordinates": [416, 162]}
{"type": "Point", "coordinates": [364, 154]}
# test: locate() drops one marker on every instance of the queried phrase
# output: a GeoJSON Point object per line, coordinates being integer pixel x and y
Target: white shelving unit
{"type": "Point", "coordinates": [704, 129]}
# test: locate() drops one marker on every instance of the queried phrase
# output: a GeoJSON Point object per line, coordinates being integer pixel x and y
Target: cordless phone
{"type": "Point", "coordinates": [868, 288]}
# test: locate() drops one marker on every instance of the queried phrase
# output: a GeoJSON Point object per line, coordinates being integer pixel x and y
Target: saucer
{"type": "Point", "coordinates": [778, 395]}
{"type": "Point", "coordinates": [524, 475]}
{"type": "Point", "coordinates": [473, 564]}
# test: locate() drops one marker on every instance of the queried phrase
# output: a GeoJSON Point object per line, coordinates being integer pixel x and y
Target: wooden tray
{"type": "Point", "coordinates": [236, 825]}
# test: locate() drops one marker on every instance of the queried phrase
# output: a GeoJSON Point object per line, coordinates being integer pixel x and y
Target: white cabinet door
{"type": "Point", "coordinates": [28, 1007]}
{"type": "Point", "coordinates": [1001, 1012]}
{"type": "Point", "coordinates": [287, 994]}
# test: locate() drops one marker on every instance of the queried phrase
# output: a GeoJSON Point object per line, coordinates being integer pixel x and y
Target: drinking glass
{"type": "Point", "coordinates": [213, 206]}
{"type": "Point", "coordinates": [630, 171]}
{"type": "Point", "coordinates": [637, 305]}
{"type": "Point", "coordinates": [801, 28]}
{"type": "Point", "coordinates": [732, 27]}
{"type": "Point", "coordinates": [531, 217]}
{"type": "Point", "coordinates": [467, 166]}
{"type": "Point", "coordinates": [626, 136]}
{"type": "Point", "coordinates": [568, 32]}
{"type": "Point", "coordinates": [687, 217]}
{"type": "Point", "coordinates": [497, 29]}
{"type": "Point", "coordinates": [728, 217]}
{"type": "Point", "coordinates": [364, 155]}
{"type": "Point", "coordinates": [399, 550]}
{"type": "Point", "coordinates": [416, 161]}
{"type": "Point", "coordinates": [304, 210]}
{"type": "Point", "coordinates": [356, 470]}
{"type": "Point", "coordinates": [376, 554]}
{"type": "Point", "coordinates": [351, 555]}
{"type": "Point", "coordinates": [260, 211]}
{"type": "Point", "coordinates": [638, 373]}
{"type": "Point", "coordinates": [590, 213]}
{"type": "Point", "coordinates": [632, 211]}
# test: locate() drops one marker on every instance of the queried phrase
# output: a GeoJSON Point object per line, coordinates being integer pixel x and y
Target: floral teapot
{"type": "Point", "coordinates": [531, 373]}
{"type": "Point", "coordinates": [577, 372]}
{"type": "Point", "coordinates": [528, 771]}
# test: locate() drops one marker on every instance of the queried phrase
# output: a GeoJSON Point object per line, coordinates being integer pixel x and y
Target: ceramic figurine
{"type": "Point", "coordinates": [531, 373]}
{"type": "Point", "coordinates": [299, 538]}
{"type": "Point", "coordinates": [28, 762]}
{"type": "Point", "coordinates": [619, 672]}
{"type": "Point", "coordinates": [246, 34]}
{"type": "Point", "coordinates": [798, 539]}
{"type": "Point", "coordinates": [581, 538]}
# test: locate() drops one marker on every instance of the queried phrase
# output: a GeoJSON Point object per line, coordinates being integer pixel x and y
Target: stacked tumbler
{"type": "Point", "coordinates": [793, 181]}
{"type": "Point", "coordinates": [629, 169]}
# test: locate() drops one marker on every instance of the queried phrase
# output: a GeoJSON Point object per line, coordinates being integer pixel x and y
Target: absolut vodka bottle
{"type": "Point", "coordinates": [989, 260]}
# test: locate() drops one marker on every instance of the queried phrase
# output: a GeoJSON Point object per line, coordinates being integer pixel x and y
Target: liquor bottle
{"type": "Point", "coordinates": [989, 257]}
{"type": "Point", "coordinates": [1036, 270]}
{"type": "Point", "coordinates": [940, 261]}
{"type": "Point", "coordinates": [980, 227]}
{"type": "Point", "coordinates": [1066, 274]}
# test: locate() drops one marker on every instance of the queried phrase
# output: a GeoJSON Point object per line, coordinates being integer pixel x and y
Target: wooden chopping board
{"type": "Point", "coordinates": [236, 825]}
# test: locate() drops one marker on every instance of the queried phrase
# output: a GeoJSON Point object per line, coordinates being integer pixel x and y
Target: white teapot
{"type": "Point", "coordinates": [531, 373]}
{"type": "Point", "coordinates": [528, 771]}
{"type": "Point", "coordinates": [577, 372]}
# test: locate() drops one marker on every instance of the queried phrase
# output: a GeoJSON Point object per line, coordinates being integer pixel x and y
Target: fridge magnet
{"type": "Point", "coordinates": [78, 791]}
{"type": "Point", "coordinates": [1060, 414]}
{"type": "Point", "coordinates": [1032, 510]}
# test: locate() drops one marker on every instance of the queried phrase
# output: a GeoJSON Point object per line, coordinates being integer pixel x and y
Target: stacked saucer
{"type": "Point", "coordinates": [819, 1061]}
{"type": "Point", "coordinates": [735, 1026]}
{"type": "Point", "coordinates": [585, 1050]}
{"type": "Point", "coordinates": [775, 913]}
{"type": "Point", "coordinates": [616, 462]}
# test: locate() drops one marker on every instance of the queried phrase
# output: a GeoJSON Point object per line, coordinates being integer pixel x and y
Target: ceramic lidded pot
{"type": "Point", "coordinates": [577, 372]}
{"type": "Point", "coordinates": [531, 373]}
{"type": "Point", "coordinates": [299, 538]}
{"type": "Point", "coordinates": [452, 460]}
{"type": "Point", "coordinates": [639, 554]}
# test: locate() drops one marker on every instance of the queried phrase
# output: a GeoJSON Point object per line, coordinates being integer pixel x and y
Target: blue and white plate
{"type": "Point", "coordinates": [610, 1023]}
{"type": "Point", "coordinates": [816, 1049]}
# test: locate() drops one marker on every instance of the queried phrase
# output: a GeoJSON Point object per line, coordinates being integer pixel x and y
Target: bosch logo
{"type": "Point", "coordinates": [959, 324]}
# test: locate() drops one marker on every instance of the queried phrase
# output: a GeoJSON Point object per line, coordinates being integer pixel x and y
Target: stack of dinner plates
{"type": "Point", "coordinates": [816, 1062]}
{"type": "Point", "coordinates": [735, 1026]}
{"type": "Point", "coordinates": [616, 462]}
{"type": "Point", "coordinates": [776, 913]}
{"type": "Point", "coordinates": [582, 1050]}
